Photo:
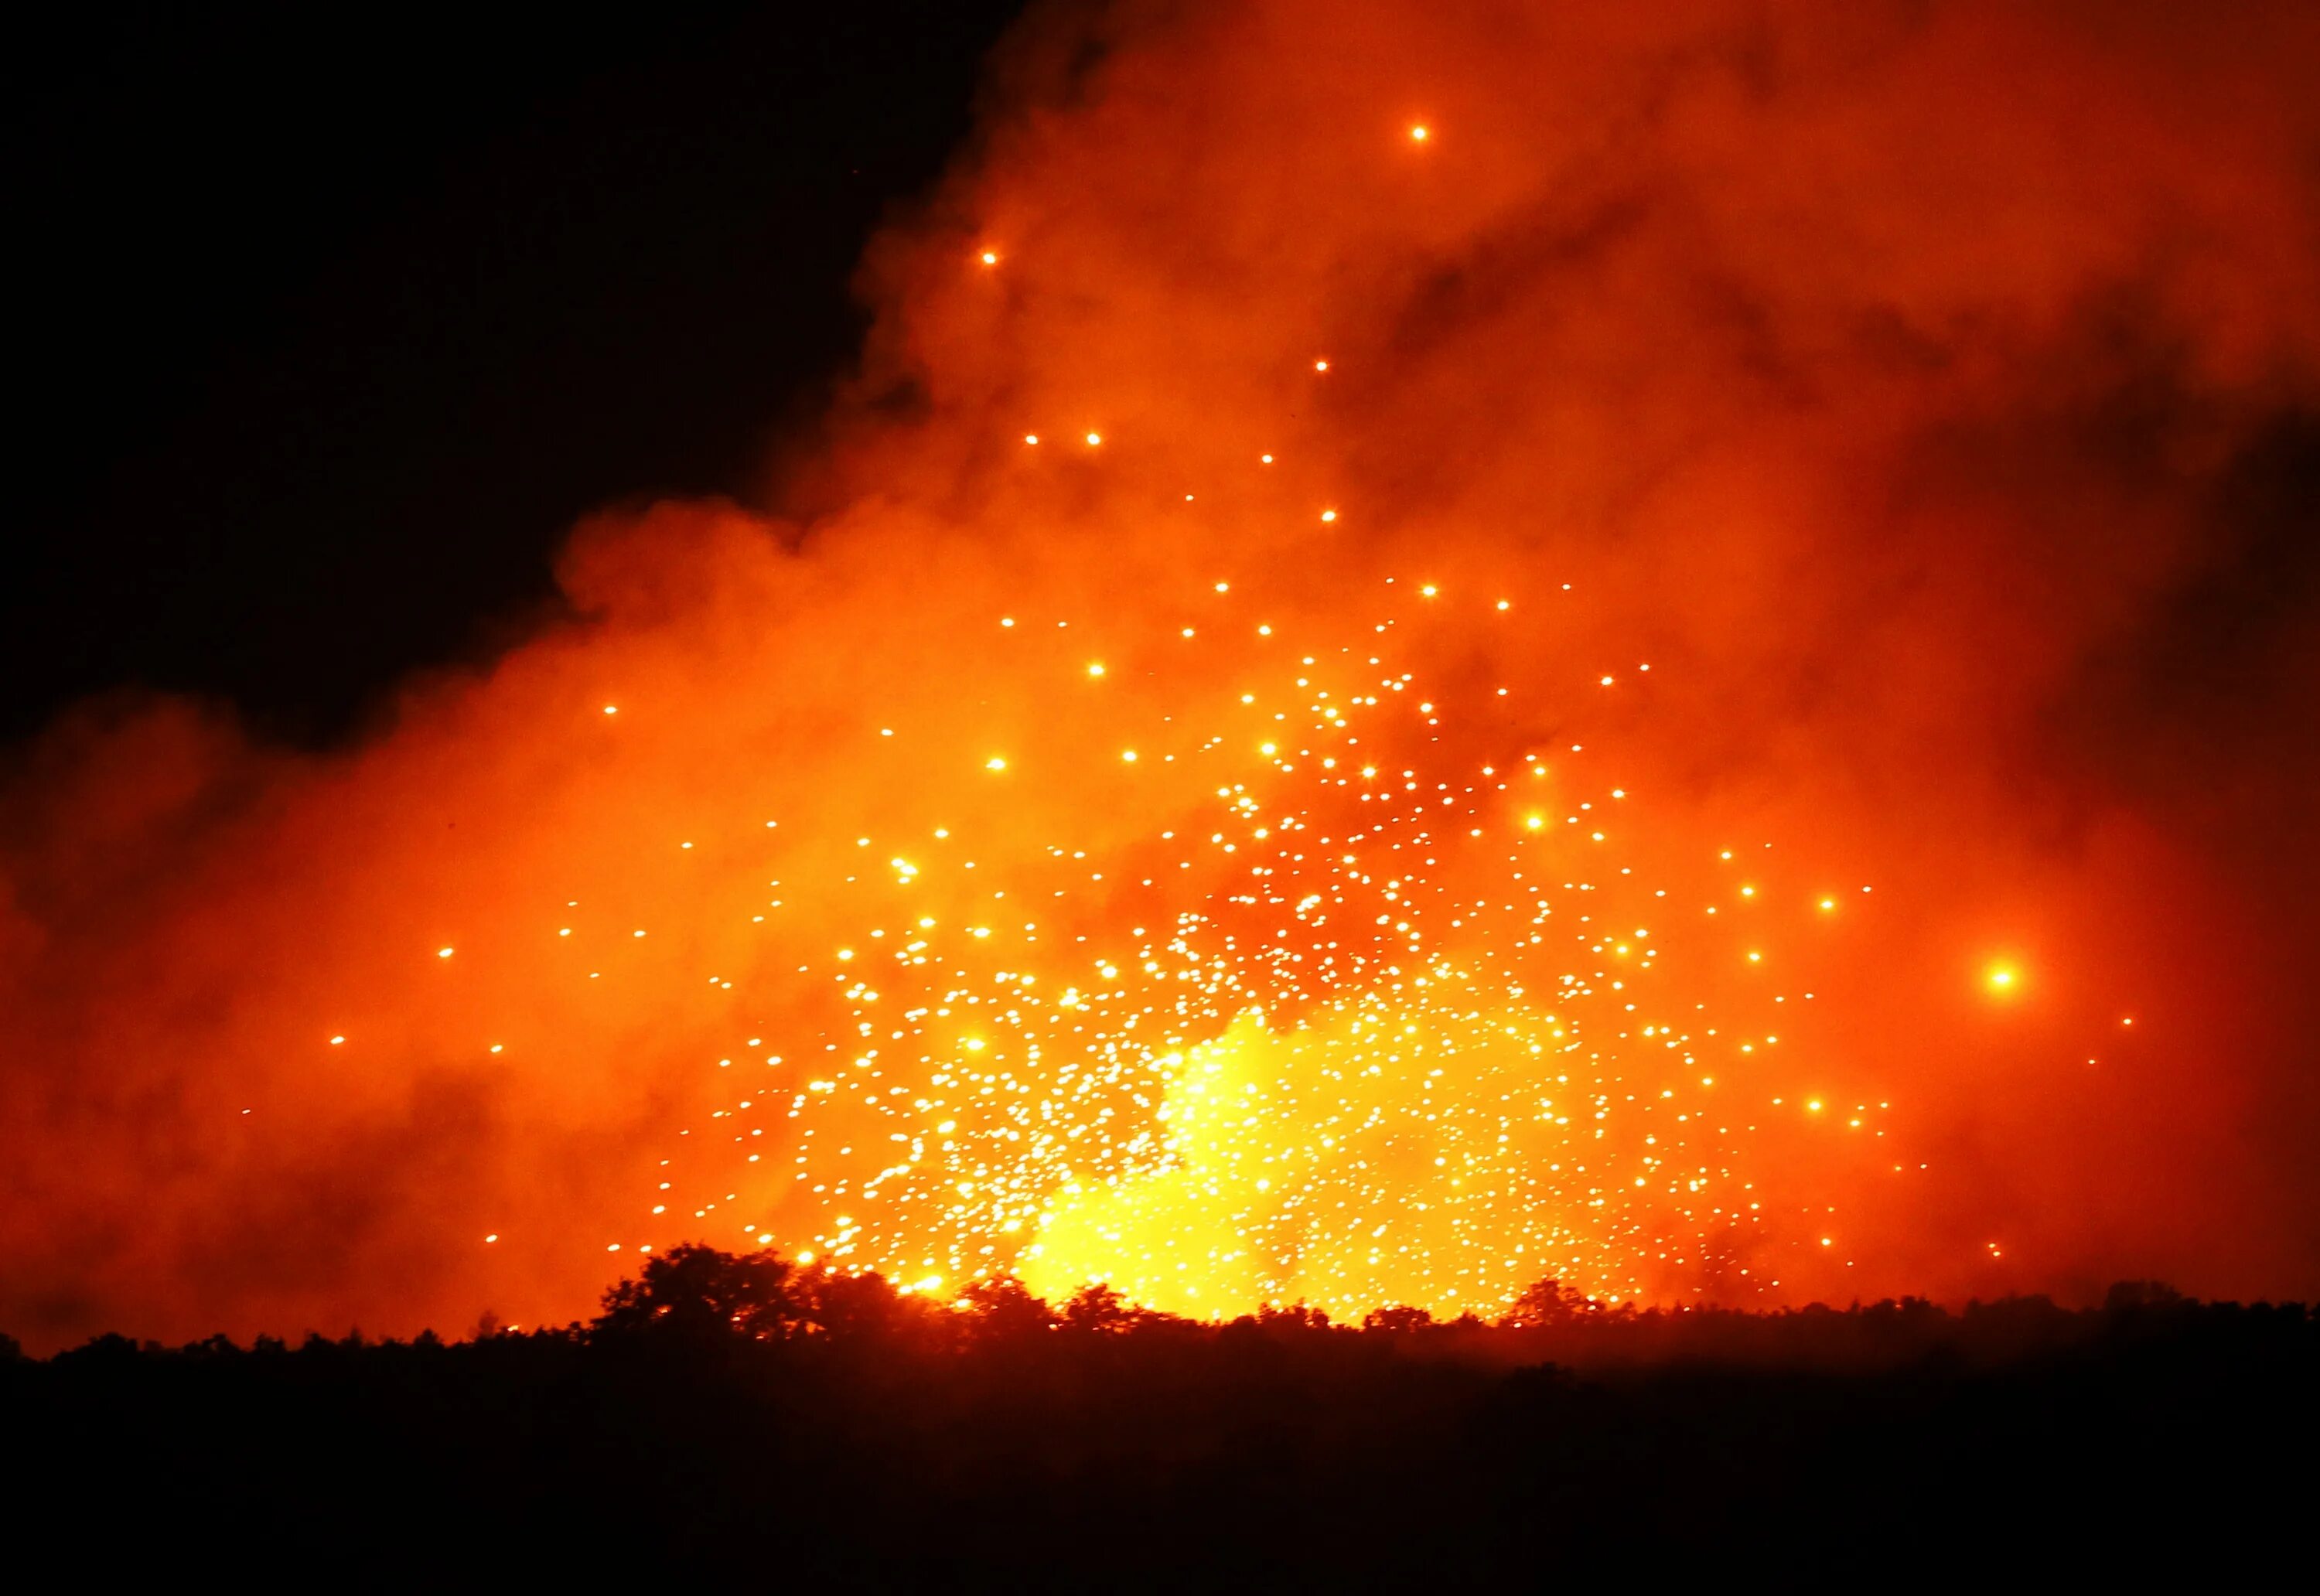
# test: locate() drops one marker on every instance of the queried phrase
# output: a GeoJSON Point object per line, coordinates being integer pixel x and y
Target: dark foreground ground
{"type": "Point", "coordinates": [731, 1421]}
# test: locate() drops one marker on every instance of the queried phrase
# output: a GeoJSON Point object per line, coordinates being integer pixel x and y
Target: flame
{"type": "Point", "coordinates": [1323, 1066]}
{"type": "Point", "coordinates": [1758, 458]}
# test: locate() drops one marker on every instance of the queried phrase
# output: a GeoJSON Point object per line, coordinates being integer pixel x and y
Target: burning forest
{"type": "Point", "coordinates": [1669, 648]}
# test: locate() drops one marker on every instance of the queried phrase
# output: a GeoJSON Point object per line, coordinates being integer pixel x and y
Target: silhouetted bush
{"type": "Point", "coordinates": [741, 1419]}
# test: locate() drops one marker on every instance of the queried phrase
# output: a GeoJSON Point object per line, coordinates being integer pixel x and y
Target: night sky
{"type": "Point", "coordinates": [328, 325]}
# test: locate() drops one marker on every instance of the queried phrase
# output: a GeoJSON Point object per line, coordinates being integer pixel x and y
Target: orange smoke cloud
{"type": "Point", "coordinates": [1924, 394]}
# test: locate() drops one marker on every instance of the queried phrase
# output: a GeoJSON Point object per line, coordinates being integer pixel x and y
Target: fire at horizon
{"type": "Point", "coordinates": [1669, 648]}
{"type": "Point", "coordinates": [1391, 1028]}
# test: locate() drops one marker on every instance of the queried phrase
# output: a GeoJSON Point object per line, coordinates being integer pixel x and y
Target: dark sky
{"type": "Point", "coordinates": [328, 321]}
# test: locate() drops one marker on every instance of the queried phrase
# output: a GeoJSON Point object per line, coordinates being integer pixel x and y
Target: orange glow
{"type": "Point", "coordinates": [1283, 963]}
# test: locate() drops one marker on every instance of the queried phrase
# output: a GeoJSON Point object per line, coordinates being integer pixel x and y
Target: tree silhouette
{"type": "Point", "coordinates": [1292, 1318]}
{"type": "Point", "coordinates": [1396, 1320]}
{"type": "Point", "coordinates": [1005, 1307]}
{"type": "Point", "coordinates": [696, 1290]}
{"type": "Point", "coordinates": [1545, 1305]}
{"type": "Point", "coordinates": [859, 1307]}
{"type": "Point", "coordinates": [1095, 1307]}
{"type": "Point", "coordinates": [725, 1410]}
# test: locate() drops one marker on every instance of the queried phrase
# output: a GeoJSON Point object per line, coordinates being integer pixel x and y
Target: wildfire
{"type": "Point", "coordinates": [1318, 719]}
{"type": "Point", "coordinates": [1367, 1024]}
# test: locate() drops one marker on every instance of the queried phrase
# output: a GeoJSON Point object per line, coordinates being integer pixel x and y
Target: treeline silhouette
{"type": "Point", "coordinates": [740, 1418]}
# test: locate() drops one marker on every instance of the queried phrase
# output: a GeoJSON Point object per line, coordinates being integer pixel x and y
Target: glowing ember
{"type": "Point", "coordinates": [1327, 733]}
{"type": "Point", "coordinates": [1378, 1033]}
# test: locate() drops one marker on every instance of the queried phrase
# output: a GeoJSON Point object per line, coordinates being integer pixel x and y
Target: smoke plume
{"type": "Point", "coordinates": [1924, 392]}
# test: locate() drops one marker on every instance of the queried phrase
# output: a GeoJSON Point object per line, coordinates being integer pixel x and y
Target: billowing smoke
{"type": "Point", "coordinates": [1926, 393]}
